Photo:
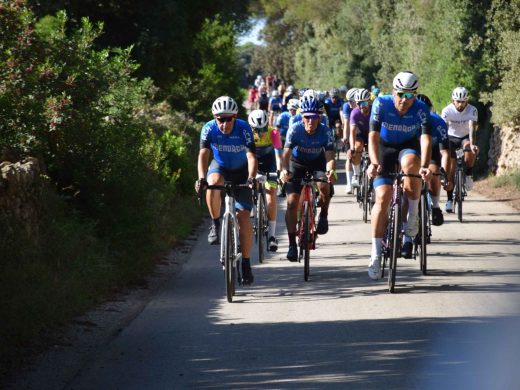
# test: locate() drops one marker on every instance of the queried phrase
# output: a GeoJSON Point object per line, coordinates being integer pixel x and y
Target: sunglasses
{"type": "Point", "coordinates": [223, 119]}
{"type": "Point", "coordinates": [460, 101]}
{"type": "Point", "coordinates": [363, 104]}
{"type": "Point", "coordinates": [312, 116]}
{"type": "Point", "coordinates": [407, 95]}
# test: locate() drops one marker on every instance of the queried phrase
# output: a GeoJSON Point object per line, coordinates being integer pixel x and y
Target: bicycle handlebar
{"type": "Point", "coordinates": [228, 187]}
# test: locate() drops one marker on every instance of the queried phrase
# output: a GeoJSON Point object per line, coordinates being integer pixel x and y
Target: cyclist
{"type": "Point", "coordinates": [440, 158]}
{"type": "Point", "coordinates": [348, 106]}
{"type": "Point", "coordinates": [288, 95]}
{"type": "Point", "coordinates": [282, 125]}
{"type": "Point", "coordinates": [268, 154]}
{"type": "Point", "coordinates": [275, 105]}
{"type": "Point", "coordinates": [395, 121]}
{"type": "Point", "coordinates": [374, 92]}
{"type": "Point", "coordinates": [309, 147]}
{"type": "Point", "coordinates": [333, 106]}
{"type": "Point", "coordinates": [309, 94]}
{"type": "Point", "coordinates": [232, 143]}
{"type": "Point", "coordinates": [461, 118]}
{"type": "Point", "coordinates": [359, 126]}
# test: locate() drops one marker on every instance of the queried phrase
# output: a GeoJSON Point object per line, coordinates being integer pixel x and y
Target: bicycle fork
{"type": "Point", "coordinates": [229, 205]}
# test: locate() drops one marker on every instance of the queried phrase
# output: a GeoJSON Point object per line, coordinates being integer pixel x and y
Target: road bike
{"type": "Point", "coordinates": [423, 237]}
{"type": "Point", "coordinates": [306, 223]}
{"type": "Point", "coordinates": [260, 215]}
{"type": "Point", "coordinates": [230, 253]}
{"type": "Point", "coordinates": [365, 192]}
{"type": "Point", "coordinates": [391, 244]}
{"type": "Point", "coordinates": [459, 189]}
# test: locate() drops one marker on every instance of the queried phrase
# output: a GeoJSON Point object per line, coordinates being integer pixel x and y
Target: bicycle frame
{"type": "Point", "coordinates": [458, 190]}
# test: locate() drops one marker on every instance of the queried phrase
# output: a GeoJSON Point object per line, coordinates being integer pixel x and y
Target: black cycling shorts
{"type": "Point", "coordinates": [456, 143]}
{"type": "Point", "coordinates": [298, 170]}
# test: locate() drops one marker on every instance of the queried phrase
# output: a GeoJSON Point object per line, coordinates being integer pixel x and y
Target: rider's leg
{"type": "Point", "coordinates": [213, 198]}
{"type": "Point", "coordinates": [270, 195]}
{"type": "Point", "coordinates": [410, 164]}
{"type": "Point", "coordinates": [245, 233]}
{"type": "Point", "coordinates": [379, 215]}
{"type": "Point", "coordinates": [291, 216]}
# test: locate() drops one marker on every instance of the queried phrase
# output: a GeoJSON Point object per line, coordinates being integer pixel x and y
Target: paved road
{"type": "Point", "coordinates": [458, 327]}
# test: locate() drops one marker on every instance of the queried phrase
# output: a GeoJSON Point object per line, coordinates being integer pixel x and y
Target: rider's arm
{"type": "Point", "coordinates": [373, 147]}
{"type": "Point", "coordinates": [252, 164]}
{"type": "Point", "coordinates": [426, 150]}
{"type": "Point", "coordinates": [445, 161]}
{"type": "Point", "coordinates": [331, 160]}
{"type": "Point", "coordinates": [352, 139]}
{"type": "Point", "coordinates": [202, 163]}
{"type": "Point", "coordinates": [473, 127]}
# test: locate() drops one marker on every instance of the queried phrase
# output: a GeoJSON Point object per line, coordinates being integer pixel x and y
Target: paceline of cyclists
{"type": "Point", "coordinates": [293, 137]}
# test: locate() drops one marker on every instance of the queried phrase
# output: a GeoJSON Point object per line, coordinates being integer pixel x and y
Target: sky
{"type": "Point", "coordinates": [252, 36]}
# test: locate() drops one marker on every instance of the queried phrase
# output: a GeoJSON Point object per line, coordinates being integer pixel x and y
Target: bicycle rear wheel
{"type": "Point", "coordinates": [306, 241]}
{"type": "Point", "coordinates": [396, 246]}
{"type": "Point", "coordinates": [260, 231]}
{"type": "Point", "coordinates": [229, 256]}
{"type": "Point", "coordinates": [423, 231]}
{"type": "Point", "coordinates": [459, 189]}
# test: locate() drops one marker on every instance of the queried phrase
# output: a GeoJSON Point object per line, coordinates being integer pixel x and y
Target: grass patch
{"type": "Point", "coordinates": [510, 179]}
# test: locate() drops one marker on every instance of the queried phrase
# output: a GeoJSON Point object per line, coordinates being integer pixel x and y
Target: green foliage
{"type": "Point", "coordinates": [217, 74]}
{"type": "Point", "coordinates": [121, 170]}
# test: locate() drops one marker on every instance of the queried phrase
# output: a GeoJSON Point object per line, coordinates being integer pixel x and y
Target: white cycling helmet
{"type": "Point", "coordinates": [459, 93]}
{"type": "Point", "coordinates": [257, 119]}
{"type": "Point", "coordinates": [290, 89]}
{"type": "Point", "coordinates": [293, 104]}
{"type": "Point", "coordinates": [274, 93]}
{"type": "Point", "coordinates": [310, 93]}
{"type": "Point", "coordinates": [362, 95]}
{"type": "Point", "coordinates": [351, 93]}
{"type": "Point", "coordinates": [405, 81]}
{"type": "Point", "coordinates": [224, 105]}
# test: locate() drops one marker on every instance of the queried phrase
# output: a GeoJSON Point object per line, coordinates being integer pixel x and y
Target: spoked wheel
{"type": "Point", "coordinates": [306, 241]}
{"type": "Point", "coordinates": [229, 255]}
{"type": "Point", "coordinates": [396, 247]}
{"type": "Point", "coordinates": [423, 233]}
{"type": "Point", "coordinates": [366, 195]}
{"type": "Point", "coordinates": [459, 194]}
{"type": "Point", "coordinates": [260, 231]}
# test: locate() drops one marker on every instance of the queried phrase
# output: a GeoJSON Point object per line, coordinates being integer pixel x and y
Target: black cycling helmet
{"type": "Point", "coordinates": [425, 99]}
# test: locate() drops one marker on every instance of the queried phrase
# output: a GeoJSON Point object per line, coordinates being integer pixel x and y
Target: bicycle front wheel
{"type": "Point", "coordinates": [396, 246]}
{"type": "Point", "coordinates": [423, 231]}
{"type": "Point", "coordinates": [229, 255]}
{"type": "Point", "coordinates": [306, 240]}
{"type": "Point", "coordinates": [459, 189]}
{"type": "Point", "coordinates": [260, 232]}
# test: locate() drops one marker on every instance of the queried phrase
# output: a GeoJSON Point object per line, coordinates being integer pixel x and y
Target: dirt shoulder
{"type": "Point", "coordinates": [507, 193]}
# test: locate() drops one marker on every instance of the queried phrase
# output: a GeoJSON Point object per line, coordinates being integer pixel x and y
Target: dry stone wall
{"type": "Point", "coordinates": [21, 189]}
{"type": "Point", "coordinates": [504, 150]}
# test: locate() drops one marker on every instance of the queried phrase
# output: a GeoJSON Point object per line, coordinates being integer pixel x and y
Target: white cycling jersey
{"type": "Point", "coordinates": [458, 122]}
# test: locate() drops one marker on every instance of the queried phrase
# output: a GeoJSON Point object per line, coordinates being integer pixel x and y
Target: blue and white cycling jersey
{"type": "Point", "coordinates": [229, 150]}
{"type": "Point", "coordinates": [276, 103]}
{"type": "Point", "coordinates": [439, 132]}
{"type": "Point", "coordinates": [282, 122]}
{"type": "Point", "coordinates": [298, 117]}
{"type": "Point", "coordinates": [307, 147]}
{"type": "Point", "coordinates": [346, 110]}
{"type": "Point", "coordinates": [333, 110]}
{"type": "Point", "coordinates": [394, 128]}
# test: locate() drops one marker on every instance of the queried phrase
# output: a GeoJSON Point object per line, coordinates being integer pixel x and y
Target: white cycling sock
{"type": "Point", "coordinates": [349, 177]}
{"type": "Point", "coordinates": [435, 201]}
{"type": "Point", "coordinates": [413, 206]}
{"type": "Point", "coordinates": [357, 169]}
{"type": "Point", "coordinates": [272, 228]}
{"type": "Point", "coordinates": [376, 246]}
